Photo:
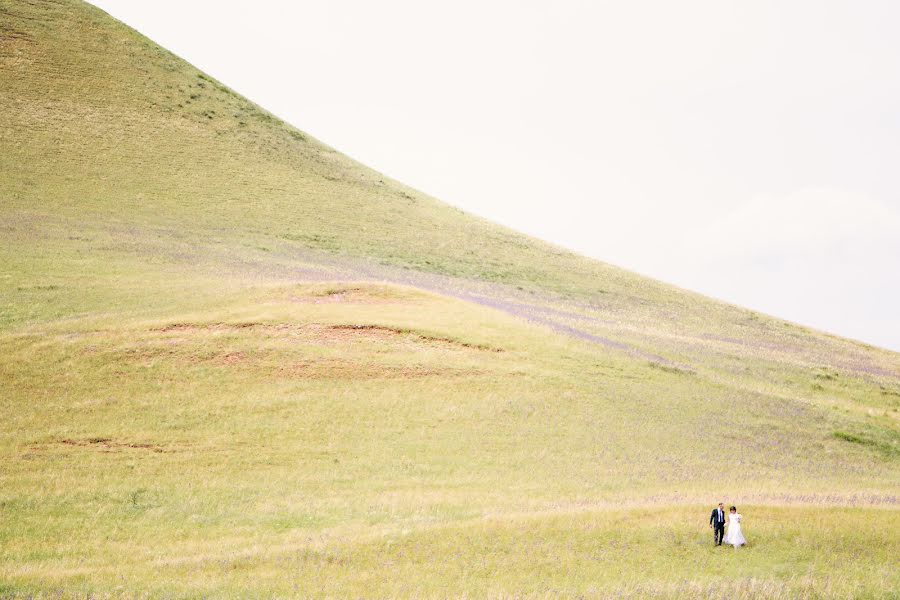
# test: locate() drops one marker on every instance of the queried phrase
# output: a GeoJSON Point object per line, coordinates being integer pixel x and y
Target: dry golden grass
{"type": "Point", "coordinates": [235, 363]}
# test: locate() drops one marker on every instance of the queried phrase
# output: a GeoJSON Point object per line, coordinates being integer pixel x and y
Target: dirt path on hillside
{"type": "Point", "coordinates": [531, 307]}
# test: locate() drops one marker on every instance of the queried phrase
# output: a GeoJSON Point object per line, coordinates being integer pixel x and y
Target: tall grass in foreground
{"type": "Point", "coordinates": [656, 552]}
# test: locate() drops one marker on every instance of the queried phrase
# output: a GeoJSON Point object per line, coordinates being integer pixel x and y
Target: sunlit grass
{"type": "Point", "coordinates": [247, 446]}
{"type": "Point", "coordinates": [209, 385]}
{"type": "Point", "coordinates": [640, 552]}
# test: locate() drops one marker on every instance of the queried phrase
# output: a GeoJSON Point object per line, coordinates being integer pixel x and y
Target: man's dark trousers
{"type": "Point", "coordinates": [717, 519]}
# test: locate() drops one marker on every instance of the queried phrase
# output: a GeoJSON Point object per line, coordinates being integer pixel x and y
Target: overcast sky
{"type": "Point", "coordinates": [746, 150]}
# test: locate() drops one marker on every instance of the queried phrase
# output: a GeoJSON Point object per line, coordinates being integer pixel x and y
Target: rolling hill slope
{"type": "Point", "coordinates": [234, 361]}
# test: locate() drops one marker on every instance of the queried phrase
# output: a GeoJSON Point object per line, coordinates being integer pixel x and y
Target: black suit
{"type": "Point", "coordinates": [717, 520]}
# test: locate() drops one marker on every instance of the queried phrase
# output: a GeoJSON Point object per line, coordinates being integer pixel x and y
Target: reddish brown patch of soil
{"type": "Point", "coordinates": [383, 332]}
{"type": "Point", "coordinates": [110, 445]}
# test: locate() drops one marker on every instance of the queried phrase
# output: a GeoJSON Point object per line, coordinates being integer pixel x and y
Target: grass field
{"type": "Point", "coordinates": [234, 362]}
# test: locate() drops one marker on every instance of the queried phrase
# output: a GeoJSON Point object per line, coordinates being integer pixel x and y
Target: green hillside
{"type": "Point", "coordinates": [234, 362]}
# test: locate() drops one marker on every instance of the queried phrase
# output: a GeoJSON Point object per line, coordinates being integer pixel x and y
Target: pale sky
{"type": "Point", "coordinates": [746, 150]}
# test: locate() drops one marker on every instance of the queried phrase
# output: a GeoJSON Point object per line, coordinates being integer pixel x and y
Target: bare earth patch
{"type": "Point", "coordinates": [329, 333]}
{"type": "Point", "coordinates": [382, 332]}
{"type": "Point", "coordinates": [105, 444]}
{"type": "Point", "coordinates": [233, 358]}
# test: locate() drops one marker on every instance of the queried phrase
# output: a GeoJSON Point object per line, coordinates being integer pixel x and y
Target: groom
{"type": "Point", "coordinates": [717, 522]}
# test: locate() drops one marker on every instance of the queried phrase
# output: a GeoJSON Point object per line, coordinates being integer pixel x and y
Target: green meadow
{"type": "Point", "coordinates": [236, 363]}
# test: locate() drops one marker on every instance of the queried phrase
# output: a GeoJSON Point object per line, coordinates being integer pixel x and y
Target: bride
{"type": "Point", "coordinates": [734, 536]}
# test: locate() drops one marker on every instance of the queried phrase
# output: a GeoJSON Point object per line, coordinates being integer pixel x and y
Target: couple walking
{"type": "Point", "coordinates": [717, 521]}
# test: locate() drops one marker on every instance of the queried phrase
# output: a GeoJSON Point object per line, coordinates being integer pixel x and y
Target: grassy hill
{"type": "Point", "coordinates": [234, 362]}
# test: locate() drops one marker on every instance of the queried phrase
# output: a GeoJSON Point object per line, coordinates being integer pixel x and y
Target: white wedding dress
{"type": "Point", "coordinates": [734, 535]}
